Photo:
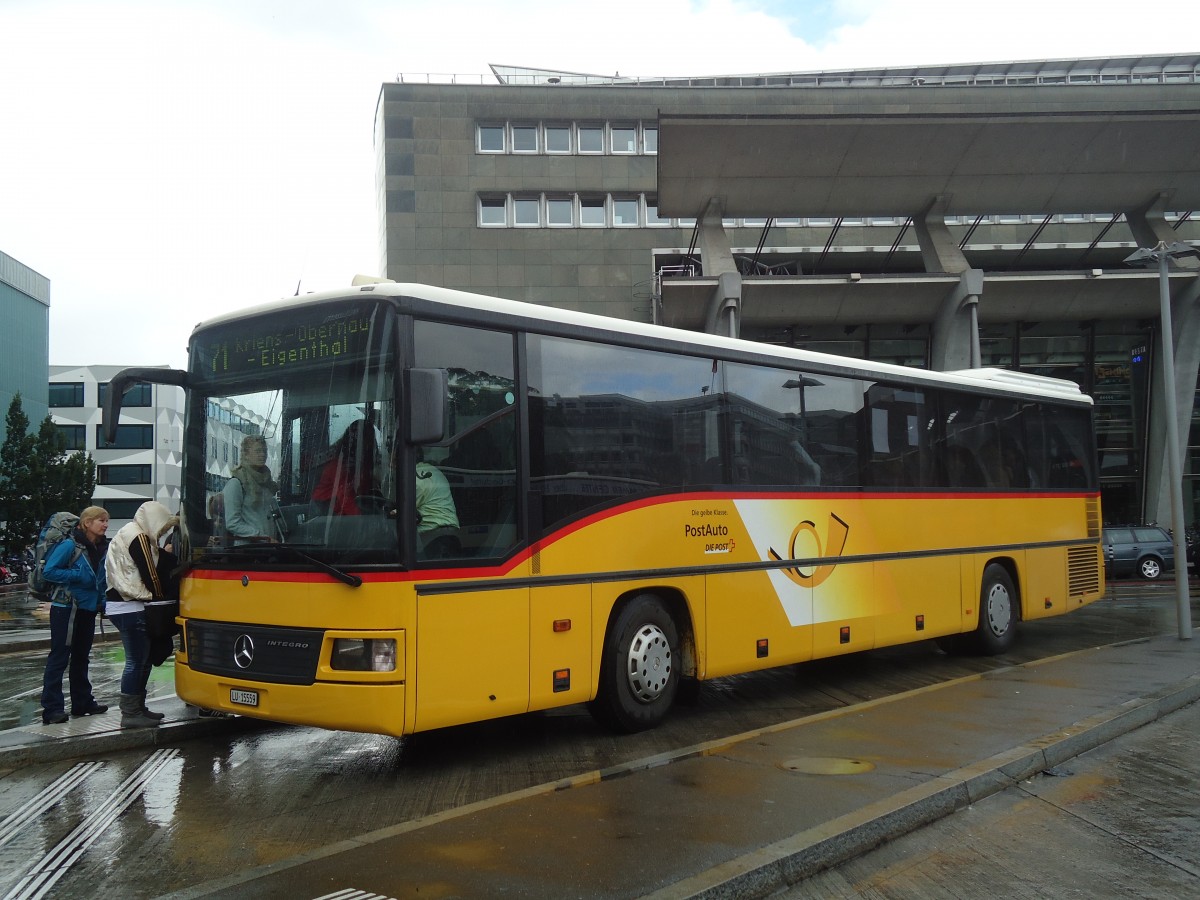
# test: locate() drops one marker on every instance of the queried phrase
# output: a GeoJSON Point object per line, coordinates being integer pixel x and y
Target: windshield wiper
{"type": "Point", "coordinates": [256, 550]}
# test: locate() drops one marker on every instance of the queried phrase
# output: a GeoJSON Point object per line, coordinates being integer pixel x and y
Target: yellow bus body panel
{"type": "Point", "coordinates": [872, 570]}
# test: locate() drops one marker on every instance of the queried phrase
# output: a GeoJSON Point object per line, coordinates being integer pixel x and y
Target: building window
{"type": "Point", "coordinates": [491, 138]}
{"type": "Point", "coordinates": [525, 212]}
{"type": "Point", "coordinates": [591, 212]}
{"type": "Point", "coordinates": [558, 138]}
{"type": "Point", "coordinates": [624, 139]}
{"type": "Point", "coordinates": [123, 475]}
{"type": "Point", "coordinates": [141, 395]}
{"type": "Point", "coordinates": [74, 436]}
{"type": "Point", "coordinates": [574, 211]}
{"type": "Point", "coordinates": [559, 212]}
{"type": "Point", "coordinates": [492, 212]}
{"type": "Point", "coordinates": [62, 395]}
{"type": "Point", "coordinates": [625, 212]}
{"type": "Point", "coordinates": [128, 437]}
{"type": "Point", "coordinates": [525, 139]}
{"type": "Point", "coordinates": [591, 138]}
{"type": "Point", "coordinates": [119, 509]}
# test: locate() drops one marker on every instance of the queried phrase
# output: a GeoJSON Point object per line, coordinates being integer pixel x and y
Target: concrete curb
{"type": "Point", "coordinates": [783, 864]}
{"type": "Point", "coordinates": [39, 750]}
{"type": "Point", "coordinates": [24, 644]}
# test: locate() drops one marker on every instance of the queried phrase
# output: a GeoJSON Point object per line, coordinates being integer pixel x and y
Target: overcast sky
{"type": "Point", "coordinates": [162, 162]}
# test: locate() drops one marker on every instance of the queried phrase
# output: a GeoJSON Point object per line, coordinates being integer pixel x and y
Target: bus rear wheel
{"type": "Point", "coordinates": [639, 678]}
{"type": "Point", "coordinates": [997, 629]}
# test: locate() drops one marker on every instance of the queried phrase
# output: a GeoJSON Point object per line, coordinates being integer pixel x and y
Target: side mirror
{"type": "Point", "coordinates": [127, 378]}
{"type": "Point", "coordinates": [425, 391]}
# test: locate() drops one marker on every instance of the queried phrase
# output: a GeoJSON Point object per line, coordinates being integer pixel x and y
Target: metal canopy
{"type": "Point", "coordinates": [1082, 159]}
{"type": "Point", "coordinates": [885, 299]}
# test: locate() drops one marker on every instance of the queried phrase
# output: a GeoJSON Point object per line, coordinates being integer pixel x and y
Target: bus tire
{"type": "Point", "coordinates": [997, 629]}
{"type": "Point", "coordinates": [639, 674]}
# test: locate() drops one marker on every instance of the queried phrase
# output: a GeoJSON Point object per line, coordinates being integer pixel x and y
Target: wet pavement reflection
{"type": "Point", "coordinates": [21, 670]}
{"type": "Point", "coordinates": [226, 803]}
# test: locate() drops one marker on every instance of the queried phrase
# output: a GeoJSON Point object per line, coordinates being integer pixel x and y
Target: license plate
{"type": "Point", "coordinates": [245, 698]}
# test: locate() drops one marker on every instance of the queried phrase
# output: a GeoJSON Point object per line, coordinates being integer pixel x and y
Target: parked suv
{"type": "Point", "coordinates": [1144, 550]}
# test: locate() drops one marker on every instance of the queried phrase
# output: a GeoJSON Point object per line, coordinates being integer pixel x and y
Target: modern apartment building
{"type": "Point", "coordinates": [143, 462]}
{"type": "Point", "coordinates": [942, 217]}
{"type": "Point", "coordinates": [25, 339]}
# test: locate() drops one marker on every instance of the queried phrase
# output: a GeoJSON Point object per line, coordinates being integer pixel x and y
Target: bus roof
{"type": "Point", "coordinates": [536, 317]}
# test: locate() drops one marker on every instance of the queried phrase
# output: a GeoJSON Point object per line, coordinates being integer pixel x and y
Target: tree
{"type": "Point", "coordinates": [65, 480]}
{"type": "Point", "coordinates": [38, 477]}
{"type": "Point", "coordinates": [16, 475]}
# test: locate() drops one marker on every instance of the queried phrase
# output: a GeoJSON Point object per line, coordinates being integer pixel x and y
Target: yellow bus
{"type": "Point", "coordinates": [619, 510]}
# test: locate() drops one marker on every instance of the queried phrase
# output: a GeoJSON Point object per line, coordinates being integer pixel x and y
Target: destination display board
{"type": "Point", "coordinates": [292, 340]}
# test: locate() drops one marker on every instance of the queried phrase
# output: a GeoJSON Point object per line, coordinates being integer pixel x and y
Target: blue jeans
{"type": "Point", "coordinates": [69, 657]}
{"type": "Point", "coordinates": [137, 651]}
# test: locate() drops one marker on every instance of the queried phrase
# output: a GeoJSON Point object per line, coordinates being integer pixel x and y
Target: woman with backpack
{"type": "Point", "coordinates": [75, 567]}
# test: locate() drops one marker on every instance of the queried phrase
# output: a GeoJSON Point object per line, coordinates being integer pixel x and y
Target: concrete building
{"type": "Point", "coordinates": [944, 217]}
{"type": "Point", "coordinates": [25, 339]}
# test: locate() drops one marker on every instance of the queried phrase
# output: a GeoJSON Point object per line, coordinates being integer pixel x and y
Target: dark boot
{"type": "Point", "coordinates": [131, 712]}
{"type": "Point", "coordinates": [151, 713]}
{"type": "Point", "coordinates": [95, 708]}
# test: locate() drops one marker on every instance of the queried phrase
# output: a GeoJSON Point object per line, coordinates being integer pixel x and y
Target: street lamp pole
{"type": "Point", "coordinates": [1162, 254]}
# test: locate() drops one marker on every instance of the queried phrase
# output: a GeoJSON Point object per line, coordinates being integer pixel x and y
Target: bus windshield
{"type": "Point", "coordinates": [291, 438]}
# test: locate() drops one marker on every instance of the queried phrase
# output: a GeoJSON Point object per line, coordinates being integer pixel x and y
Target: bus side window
{"type": "Point", "coordinates": [478, 455]}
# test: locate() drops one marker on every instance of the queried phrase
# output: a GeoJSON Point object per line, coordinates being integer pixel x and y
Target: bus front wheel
{"type": "Point", "coordinates": [997, 628]}
{"type": "Point", "coordinates": [639, 675]}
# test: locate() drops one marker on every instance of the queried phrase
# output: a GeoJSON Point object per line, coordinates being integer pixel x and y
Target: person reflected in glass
{"type": "Point", "coordinates": [348, 478]}
{"type": "Point", "coordinates": [249, 495]}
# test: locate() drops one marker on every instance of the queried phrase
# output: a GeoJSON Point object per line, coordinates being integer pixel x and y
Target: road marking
{"type": "Point", "coordinates": [46, 872]}
{"type": "Point", "coordinates": [16, 821]}
{"type": "Point", "coordinates": [353, 894]}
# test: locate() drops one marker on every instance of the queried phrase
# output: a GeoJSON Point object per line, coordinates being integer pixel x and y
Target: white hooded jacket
{"type": "Point", "coordinates": [154, 520]}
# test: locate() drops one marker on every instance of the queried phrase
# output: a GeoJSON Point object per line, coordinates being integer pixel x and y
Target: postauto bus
{"type": "Point", "coordinates": [637, 508]}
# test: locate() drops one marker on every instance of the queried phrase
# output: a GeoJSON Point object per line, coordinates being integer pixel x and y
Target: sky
{"type": "Point", "coordinates": [164, 161]}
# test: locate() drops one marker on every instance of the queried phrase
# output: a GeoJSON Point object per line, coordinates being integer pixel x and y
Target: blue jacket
{"type": "Point", "coordinates": [86, 583]}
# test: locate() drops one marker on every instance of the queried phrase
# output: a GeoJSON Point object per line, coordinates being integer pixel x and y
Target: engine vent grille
{"type": "Point", "coordinates": [1083, 570]}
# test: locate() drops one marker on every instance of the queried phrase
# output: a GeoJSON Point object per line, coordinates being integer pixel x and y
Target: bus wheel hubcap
{"type": "Point", "coordinates": [649, 663]}
{"type": "Point", "coordinates": [999, 609]}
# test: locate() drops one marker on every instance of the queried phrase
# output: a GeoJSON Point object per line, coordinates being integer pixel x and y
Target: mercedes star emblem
{"type": "Point", "coordinates": [243, 651]}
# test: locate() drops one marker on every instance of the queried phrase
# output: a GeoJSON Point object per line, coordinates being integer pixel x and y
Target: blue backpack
{"type": "Point", "coordinates": [58, 527]}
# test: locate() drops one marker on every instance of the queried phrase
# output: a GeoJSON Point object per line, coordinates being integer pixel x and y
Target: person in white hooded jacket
{"type": "Point", "coordinates": [134, 577]}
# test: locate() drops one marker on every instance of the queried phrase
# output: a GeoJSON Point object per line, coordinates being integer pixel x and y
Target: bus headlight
{"type": "Point", "coordinates": [364, 655]}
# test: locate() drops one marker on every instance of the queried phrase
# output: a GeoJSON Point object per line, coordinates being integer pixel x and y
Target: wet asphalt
{"type": "Point", "coordinates": [796, 809]}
